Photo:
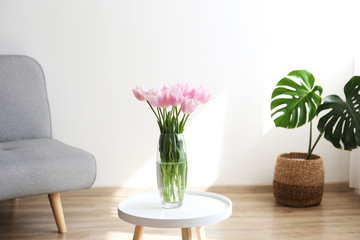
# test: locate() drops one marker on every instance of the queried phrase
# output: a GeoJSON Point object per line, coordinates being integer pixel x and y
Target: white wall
{"type": "Point", "coordinates": [94, 52]}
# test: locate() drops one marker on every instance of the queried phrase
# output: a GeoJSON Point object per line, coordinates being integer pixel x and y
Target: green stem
{"type": "Point", "coordinates": [312, 149]}
{"type": "Point", "coordinates": [164, 113]}
{"type": "Point", "coordinates": [173, 111]}
{"type": "Point", "coordinates": [183, 125]}
{"type": "Point", "coordinates": [160, 113]}
{"type": "Point", "coordinates": [153, 111]}
{"type": "Point", "coordinates": [161, 120]}
{"type": "Point", "coordinates": [172, 166]}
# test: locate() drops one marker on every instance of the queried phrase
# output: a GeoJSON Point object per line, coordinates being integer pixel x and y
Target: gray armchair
{"type": "Point", "coordinates": [31, 161]}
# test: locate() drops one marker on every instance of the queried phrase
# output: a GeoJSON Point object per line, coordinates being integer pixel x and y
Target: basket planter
{"type": "Point", "coordinates": [298, 182]}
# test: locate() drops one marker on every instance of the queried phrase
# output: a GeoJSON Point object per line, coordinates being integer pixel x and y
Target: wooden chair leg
{"type": "Point", "coordinates": [186, 233]}
{"type": "Point", "coordinates": [138, 232]}
{"type": "Point", "coordinates": [200, 233]}
{"type": "Point", "coordinates": [57, 210]}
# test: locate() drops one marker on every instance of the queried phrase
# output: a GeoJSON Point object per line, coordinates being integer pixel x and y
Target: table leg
{"type": "Point", "coordinates": [200, 233]}
{"type": "Point", "coordinates": [186, 233]}
{"type": "Point", "coordinates": [138, 232]}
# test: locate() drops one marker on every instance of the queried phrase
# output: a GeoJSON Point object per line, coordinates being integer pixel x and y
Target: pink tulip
{"type": "Point", "coordinates": [165, 87]}
{"type": "Point", "coordinates": [188, 105]}
{"type": "Point", "coordinates": [165, 96]}
{"type": "Point", "coordinates": [174, 97]}
{"type": "Point", "coordinates": [181, 86]}
{"type": "Point", "coordinates": [188, 91]}
{"type": "Point", "coordinates": [203, 95]}
{"type": "Point", "coordinates": [155, 97]}
{"type": "Point", "coordinates": [140, 92]}
{"type": "Point", "coordinates": [192, 93]}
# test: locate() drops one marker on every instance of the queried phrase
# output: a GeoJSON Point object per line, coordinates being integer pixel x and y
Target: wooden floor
{"type": "Point", "coordinates": [92, 214]}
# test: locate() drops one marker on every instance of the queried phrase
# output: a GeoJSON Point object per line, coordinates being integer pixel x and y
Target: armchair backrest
{"type": "Point", "coordinates": [24, 107]}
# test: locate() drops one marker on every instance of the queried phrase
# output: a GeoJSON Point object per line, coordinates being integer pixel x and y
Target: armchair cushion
{"type": "Point", "coordinates": [42, 166]}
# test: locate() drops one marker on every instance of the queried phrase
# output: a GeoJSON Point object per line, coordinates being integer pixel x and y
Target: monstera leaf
{"type": "Point", "coordinates": [342, 122]}
{"type": "Point", "coordinates": [295, 104]}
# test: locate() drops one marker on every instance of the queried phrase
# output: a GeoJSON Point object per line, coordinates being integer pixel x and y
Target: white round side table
{"type": "Point", "coordinates": [198, 209]}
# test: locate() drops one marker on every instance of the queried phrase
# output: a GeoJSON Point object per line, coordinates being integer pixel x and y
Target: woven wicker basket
{"type": "Point", "coordinates": [298, 182]}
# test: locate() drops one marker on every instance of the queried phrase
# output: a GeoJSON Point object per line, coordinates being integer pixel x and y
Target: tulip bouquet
{"type": "Point", "coordinates": [170, 101]}
{"type": "Point", "coordinates": [172, 106]}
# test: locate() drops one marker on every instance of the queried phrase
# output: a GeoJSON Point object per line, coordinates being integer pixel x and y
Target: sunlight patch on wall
{"type": "Point", "coordinates": [204, 141]}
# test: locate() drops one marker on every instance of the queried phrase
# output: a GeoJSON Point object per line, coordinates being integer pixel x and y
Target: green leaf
{"type": "Point", "coordinates": [342, 123]}
{"type": "Point", "coordinates": [295, 104]}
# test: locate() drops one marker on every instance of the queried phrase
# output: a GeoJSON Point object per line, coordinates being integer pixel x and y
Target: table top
{"type": "Point", "coordinates": [198, 209]}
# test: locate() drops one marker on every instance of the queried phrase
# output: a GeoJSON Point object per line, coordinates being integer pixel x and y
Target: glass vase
{"type": "Point", "coordinates": [171, 169]}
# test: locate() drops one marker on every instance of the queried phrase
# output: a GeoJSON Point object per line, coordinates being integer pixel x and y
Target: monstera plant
{"type": "Point", "coordinates": [296, 100]}
{"type": "Point", "coordinates": [342, 122]}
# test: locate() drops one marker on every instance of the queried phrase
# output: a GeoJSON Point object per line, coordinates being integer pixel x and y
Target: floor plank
{"type": "Point", "coordinates": [92, 214]}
